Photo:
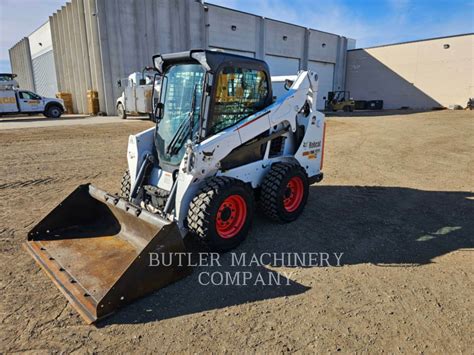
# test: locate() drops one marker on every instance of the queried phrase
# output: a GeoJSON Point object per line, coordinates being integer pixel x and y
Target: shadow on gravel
{"type": "Point", "coordinates": [387, 226]}
{"type": "Point", "coordinates": [375, 113]}
{"type": "Point", "coordinates": [42, 118]}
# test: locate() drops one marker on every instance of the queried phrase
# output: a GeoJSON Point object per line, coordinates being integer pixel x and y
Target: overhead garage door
{"type": "Point", "coordinates": [281, 66]}
{"type": "Point", "coordinates": [325, 73]}
{"type": "Point", "coordinates": [44, 74]}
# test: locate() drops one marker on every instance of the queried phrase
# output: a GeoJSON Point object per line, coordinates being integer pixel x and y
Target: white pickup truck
{"type": "Point", "coordinates": [17, 101]}
{"type": "Point", "coordinates": [137, 95]}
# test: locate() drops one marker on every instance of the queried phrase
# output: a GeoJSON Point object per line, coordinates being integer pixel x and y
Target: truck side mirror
{"type": "Point", "coordinates": [119, 83]}
{"type": "Point", "coordinates": [142, 82]}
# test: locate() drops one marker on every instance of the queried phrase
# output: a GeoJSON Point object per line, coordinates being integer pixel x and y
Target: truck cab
{"type": "Point", "coordinates": [17, 101]}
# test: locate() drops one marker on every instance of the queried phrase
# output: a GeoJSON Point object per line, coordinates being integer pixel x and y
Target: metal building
{"type": "Point", "coordinates": [32, 59]}
{"type": "Point", "coordinates": [424, 74]}
{"type": "Point", "coordinates": [97, 42]}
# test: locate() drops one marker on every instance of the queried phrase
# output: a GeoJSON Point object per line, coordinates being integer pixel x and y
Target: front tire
{"type": "Point", "coordinates": [53, 112]}
{"type": "Point", "coordinates": [284, 192]}
{"type": "Point", "coordinates": [221, 213]}
{"type": "Point", "coordinates": [121, 112]}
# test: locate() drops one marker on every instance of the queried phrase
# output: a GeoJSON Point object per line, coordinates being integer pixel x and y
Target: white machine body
{"type": "Point", "coordinates": [203, 160]}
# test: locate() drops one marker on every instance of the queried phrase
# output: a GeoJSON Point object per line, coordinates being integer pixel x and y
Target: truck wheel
{"type": "Point", "coordinates": [125, 185]}
{"type": "Point", "coordinates": [221, 213]}
{"type": "Point", "coordinates": [284, 192]}
{"type": "Point", "coordinates": [121, 112]}
{"type": "Point", "coordinates": [53, 112]}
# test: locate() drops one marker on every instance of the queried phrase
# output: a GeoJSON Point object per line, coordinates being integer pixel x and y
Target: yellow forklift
{"type": "Point", "coordinates": [339, 100]}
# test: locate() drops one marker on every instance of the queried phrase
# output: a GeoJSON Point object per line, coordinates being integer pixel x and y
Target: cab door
{"type": "Point", "coordinates": [30, 102]}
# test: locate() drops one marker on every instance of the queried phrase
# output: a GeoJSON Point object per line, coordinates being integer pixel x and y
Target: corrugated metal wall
{"type": "Point", "coordinates": [45, 74]}
{"type": "Point", "coordinates": [97, 42]}
{"type": "Point", "coordinates": [20, 59]}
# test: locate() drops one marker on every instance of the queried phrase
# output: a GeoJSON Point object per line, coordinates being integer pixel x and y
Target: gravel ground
{"type": "Point", "coordinates": [397, 200]}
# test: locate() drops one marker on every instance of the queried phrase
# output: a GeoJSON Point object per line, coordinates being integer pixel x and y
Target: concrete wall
{"type": "Point", "coordinates": [422, 74]}
{"type": "Point", "coordinates": [20, 59]}
{"type": "Point", "coordinates": [286, 48]}
{"type": "Point", "coordinates": [131, 32]}
{"type": "Point", "coordinates": [97, 42]}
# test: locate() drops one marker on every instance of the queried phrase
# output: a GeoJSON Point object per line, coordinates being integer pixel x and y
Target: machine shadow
{"type": "Point", "coordinates": [377, 225]}
{"type": "Point", "coordinates": [376, 113]}
{"type": "Point", "coordinates": [386, 226]}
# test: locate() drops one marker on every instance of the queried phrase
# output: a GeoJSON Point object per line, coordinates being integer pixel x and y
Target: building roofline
{"type": "Point", "coordinates": [414, 41]}
{"type": "Point", "coordinates": [37, 28]}
{"type": "Point", "coordinates": [272, 19]}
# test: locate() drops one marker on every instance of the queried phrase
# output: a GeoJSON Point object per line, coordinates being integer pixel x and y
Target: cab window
{"type": "Point", "coordinates": [240, 92]}
{"type": "Point", "coordinates": [28, 95]}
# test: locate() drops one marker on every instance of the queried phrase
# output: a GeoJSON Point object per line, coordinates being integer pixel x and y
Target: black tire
{"type": "Point", "coordinates": [277, 188]}
{"type": "Point", "coordinates": [214, 213]}
{"type": "Point", "coordinates": [125, 185]}
{"type": "Point", "coordinates": [53, 111]}
{"type": "Point", "coordinates": [121, 112]}
{"type": "Point", "coordinates": [347, 109]}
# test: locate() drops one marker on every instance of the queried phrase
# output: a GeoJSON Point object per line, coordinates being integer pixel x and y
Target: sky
{"type": "Point", "coordinates": [370, 22]}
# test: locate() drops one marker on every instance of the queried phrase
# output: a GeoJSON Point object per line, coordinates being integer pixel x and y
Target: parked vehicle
{"type": "Point", "coordinates": [340, 100]}
{"type": "Point", "coordinates": [17, 101]}
{"type": "Point", "coordinates": [138, 93]}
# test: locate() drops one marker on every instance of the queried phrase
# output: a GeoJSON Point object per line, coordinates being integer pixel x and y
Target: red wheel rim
{"type": "Point", "coordinates": [293, 194]}
{"type": "Point", "coordinates": [231, 216]}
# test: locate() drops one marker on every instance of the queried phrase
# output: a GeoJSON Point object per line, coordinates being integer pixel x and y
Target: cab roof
{"type": "Point", "coordinates": [210, 59]}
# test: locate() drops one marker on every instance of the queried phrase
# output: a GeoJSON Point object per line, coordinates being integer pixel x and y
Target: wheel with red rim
{"type": "Point", "coordinates": [284, 192]}
{"type": "Point", "coordinates": [293, 194]}
{"type": "Point", "coordinates": [231, 216]}
{"type": "Point", "coordinates": [221, 213]}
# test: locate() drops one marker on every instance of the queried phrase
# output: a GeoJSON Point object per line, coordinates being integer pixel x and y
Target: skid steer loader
{"type": "Point", "coordinates": [221, 141]}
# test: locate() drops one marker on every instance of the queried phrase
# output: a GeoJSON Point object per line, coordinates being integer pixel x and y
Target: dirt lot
{"type": "Point", "coordinates": [397, 199]}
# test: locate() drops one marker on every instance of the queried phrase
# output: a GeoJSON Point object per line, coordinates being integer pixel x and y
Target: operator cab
{"type": "Point", "coordinates": [190, 107]}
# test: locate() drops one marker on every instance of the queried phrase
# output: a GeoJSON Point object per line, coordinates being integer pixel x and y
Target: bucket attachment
{"type": "Point", "coordinates": [96, 248]}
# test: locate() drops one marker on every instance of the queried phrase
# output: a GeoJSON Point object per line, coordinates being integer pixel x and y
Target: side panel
{"type": "Point", "coordinates": [310, 152]}
{"type": "Point", "coordinates": [8, 101]}
{"type": "Point", "coordinates": [143, 98]}
{"type": "Point", "coordinates": [138, 146]}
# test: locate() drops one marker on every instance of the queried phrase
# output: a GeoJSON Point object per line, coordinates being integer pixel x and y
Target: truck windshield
{"type": "Point", "coordinates": [181, 96]}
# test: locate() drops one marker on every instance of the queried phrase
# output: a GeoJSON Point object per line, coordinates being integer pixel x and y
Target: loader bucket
{"type": "Point", "coordinates": [96, 248]}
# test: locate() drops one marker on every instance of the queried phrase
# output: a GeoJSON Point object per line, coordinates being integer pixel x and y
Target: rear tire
{"type": "Point", "coordinates": [53, 112]}
{"type": "Point", "coordinates": [221, 213]}
{"type": "Point", "coordinates": [284, 192]}
{"type": "Point", "coordinates": [125, 185]}
{"type": "Point", "coordinates": [121, 112]}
